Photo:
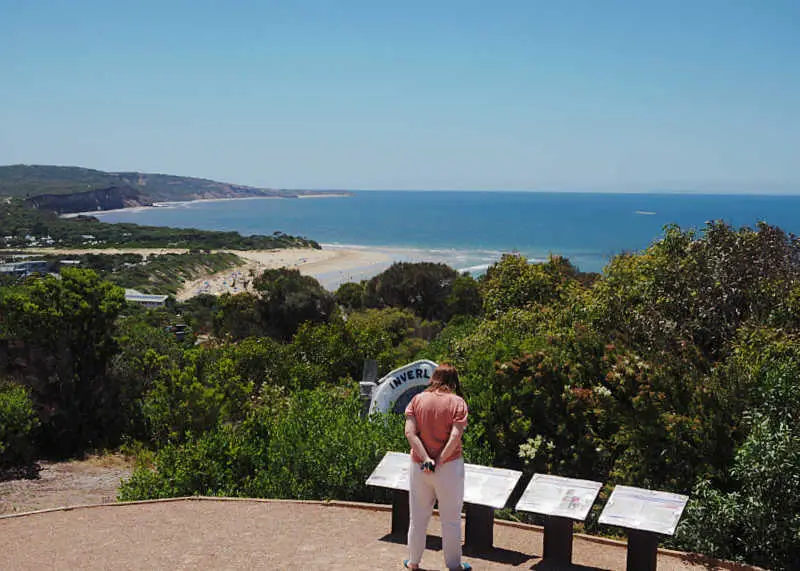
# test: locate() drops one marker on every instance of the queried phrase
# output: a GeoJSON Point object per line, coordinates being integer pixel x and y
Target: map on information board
{"type": "Point", "coordinates": [557, 496]}
{"type": "Point", "coordinates": [646, 510]}
{"type": "Point", "coordinates": [483, 485]}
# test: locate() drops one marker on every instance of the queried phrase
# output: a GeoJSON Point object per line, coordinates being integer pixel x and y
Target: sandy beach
{"type": "Point", "coordinates": [332, 266]}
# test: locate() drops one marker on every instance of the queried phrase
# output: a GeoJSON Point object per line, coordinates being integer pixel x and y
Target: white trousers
{"type": "Point", "coordinates": [447, 485]}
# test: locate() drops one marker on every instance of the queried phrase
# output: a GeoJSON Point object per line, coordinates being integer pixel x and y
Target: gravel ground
{"type": "Point", "coordinates": [78, 482]}
{"type": "Point", "coordinates": [252, 534]}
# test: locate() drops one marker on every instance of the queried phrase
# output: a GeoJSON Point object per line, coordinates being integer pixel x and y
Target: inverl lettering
{"type": "Point", "coordinates": [395, 382]}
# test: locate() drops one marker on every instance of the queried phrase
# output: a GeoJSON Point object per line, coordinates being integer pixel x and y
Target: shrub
{"type": "Point", "coordinates": [63, 329]}
{"type": "Point", "coordinates": [753, 515]}
{"type": "Point", "coordinates": [423, 287]}
{"type": "Point", "coordinates": [758, 522]}
{"type": "Point", "coordinates": [18, 422]}
{"type": "Point", "coordinates": [514, 283]}
{"type": "Point", "coordinates": [314, 445]}
{"type": "Point", "coordinates": [351, 295]}
{"type": "Point", "coordinates": [288, 299]}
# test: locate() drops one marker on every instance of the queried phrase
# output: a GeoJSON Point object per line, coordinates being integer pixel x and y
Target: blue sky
{"type": "Point", "coordinates": [596, 95]}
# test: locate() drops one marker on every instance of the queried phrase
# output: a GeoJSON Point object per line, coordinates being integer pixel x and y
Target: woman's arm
{"type": "Point", "coordinates": [456, 432]}
{"type": "Point", "coordinates": [412, 435]}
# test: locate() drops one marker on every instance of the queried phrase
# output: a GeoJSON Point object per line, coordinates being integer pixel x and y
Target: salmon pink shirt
{"type": "Point", "coordinates": [435, 413]}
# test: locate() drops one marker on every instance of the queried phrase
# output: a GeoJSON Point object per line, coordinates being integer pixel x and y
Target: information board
{"type": "Point", "coordinates": [483, 485]}
{"type": "Point", "coordinates": [391, 472]}
{"type": "Point", "coordinates": [645, 510]}
{"type": "Point", "coordinates": [557, 496]}
{"type": "Point", "coordinates": [488, 486]}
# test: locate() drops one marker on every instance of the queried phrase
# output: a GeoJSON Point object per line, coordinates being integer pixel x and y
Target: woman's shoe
{"type": "Point", "coordinates": [406, 565]}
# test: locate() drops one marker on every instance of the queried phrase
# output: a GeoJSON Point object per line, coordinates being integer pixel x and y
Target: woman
{"type": "Point", "coordinates": [435, 422]}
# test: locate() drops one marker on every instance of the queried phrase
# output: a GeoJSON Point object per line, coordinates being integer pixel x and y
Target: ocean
{"type": "Point", "coordinates": [470, 230]}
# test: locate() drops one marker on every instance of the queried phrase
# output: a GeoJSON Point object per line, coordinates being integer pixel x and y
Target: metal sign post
{"type": "Point", "coordinates": [400, 512]}
{"type": "Point", "coordinates": [645, 514]}
{"type": "Point", "coordinates": [562, 501]}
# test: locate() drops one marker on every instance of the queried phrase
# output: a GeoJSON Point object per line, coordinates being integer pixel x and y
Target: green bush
{"type": "Point", "coordinates": [18, 422]}
{"type": "Point", "coordinates": [314, 445]}
{"type": "Point", "coordinates": [514, 283]}
{"type": "Point", "coordinates": [759, 521]}
{"type": "Point", "coordinates": [63, 331]}
{"type": "Point", "coordinates": [754, 514]}
{"type": "Point", "coordinates": [425, 288]}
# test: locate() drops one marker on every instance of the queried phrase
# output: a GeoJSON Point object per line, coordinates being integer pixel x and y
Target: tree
{"type": "Point", "coordinates": [322, 354]}
{"type": "Point", "coordinates": [514, 283]}
{"type": "Point", "coordinates": [699, 289]}
{"type": "Point", "coordinates": [422, 287]}
{"type": "Point", "coordinates": [237, 316]}
{"type": "Point", "coordinates": [464, 298]}
{"type": "Point", "coordinates": [350, 295]}
{"type": "Point", "coordinates": [18, 422]}
{"type": "Point", "coordinates": [198, 312]}
{"type": "Point", "coordinates": [391, 336]}
{"type": "Point", "coordinates": [145, 352]}
{"type": "Point", "coordinates": [287, 299]}
{"type": "Point", "coordinates": [753, 514]}
{"type": "Point", "coordinates": [65, 329]}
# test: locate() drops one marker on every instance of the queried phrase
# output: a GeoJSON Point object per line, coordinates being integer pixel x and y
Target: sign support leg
{"type": "Point", "coordinates": [399, 512]}
{"type": "Point", "coordinates": [479, 526]}
{"type": "Point", "coordinates": [642, 551]}
{"type": "Point", "coordinates": [558, 539]}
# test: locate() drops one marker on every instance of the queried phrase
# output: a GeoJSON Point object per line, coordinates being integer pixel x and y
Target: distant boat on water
{"type": "Point", "coordinates": [645, 212]}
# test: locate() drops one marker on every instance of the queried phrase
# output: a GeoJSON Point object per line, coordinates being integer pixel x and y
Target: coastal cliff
{"type": "Point", "coordinates": [109, 198]}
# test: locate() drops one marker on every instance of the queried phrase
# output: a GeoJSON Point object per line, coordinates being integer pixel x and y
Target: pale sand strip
{"type": "Point", "coordinates": [308, 261]}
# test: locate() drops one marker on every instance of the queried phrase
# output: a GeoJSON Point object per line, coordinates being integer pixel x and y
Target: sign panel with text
{"type": "Point", "coordinates": [488, 486]}
{"type": "Point", "coordinates": [391, 472]}
{"type": "Point", "coordinates": [645, 510]}
{"type": "Point", "coordinates": [557, 496]}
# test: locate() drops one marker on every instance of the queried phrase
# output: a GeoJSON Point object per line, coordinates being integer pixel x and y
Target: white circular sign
{"type": "Point", "coordinates": [394, 391]}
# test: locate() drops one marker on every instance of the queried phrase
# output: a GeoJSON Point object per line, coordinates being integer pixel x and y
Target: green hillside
{"type": "Point", "coordinates": [33, 180]}
{"type": "Point", "coordinates": [26, 181]}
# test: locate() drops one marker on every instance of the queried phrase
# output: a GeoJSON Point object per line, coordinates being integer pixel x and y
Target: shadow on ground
{"type": "Point", "coordinates": [496, 554]}
{"type": "Point", "coordinates": [551, 566]}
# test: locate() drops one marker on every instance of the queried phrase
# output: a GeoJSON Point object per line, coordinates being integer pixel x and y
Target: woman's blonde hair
{"type": "Point", "coordinates": [445, 378]}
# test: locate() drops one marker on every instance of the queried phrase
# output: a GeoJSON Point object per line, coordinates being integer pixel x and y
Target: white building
{"type": "Point", "coordinates": [145, 299]}
{"type": "Point", "coordinates": [25, 267]}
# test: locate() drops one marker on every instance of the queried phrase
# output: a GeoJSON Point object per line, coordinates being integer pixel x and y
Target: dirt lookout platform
{"type": "Point", "coordinates": [212, 533]}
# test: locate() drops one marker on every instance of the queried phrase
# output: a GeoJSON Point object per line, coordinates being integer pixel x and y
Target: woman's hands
{"type": "Point", "coordinates": [428, 464]}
